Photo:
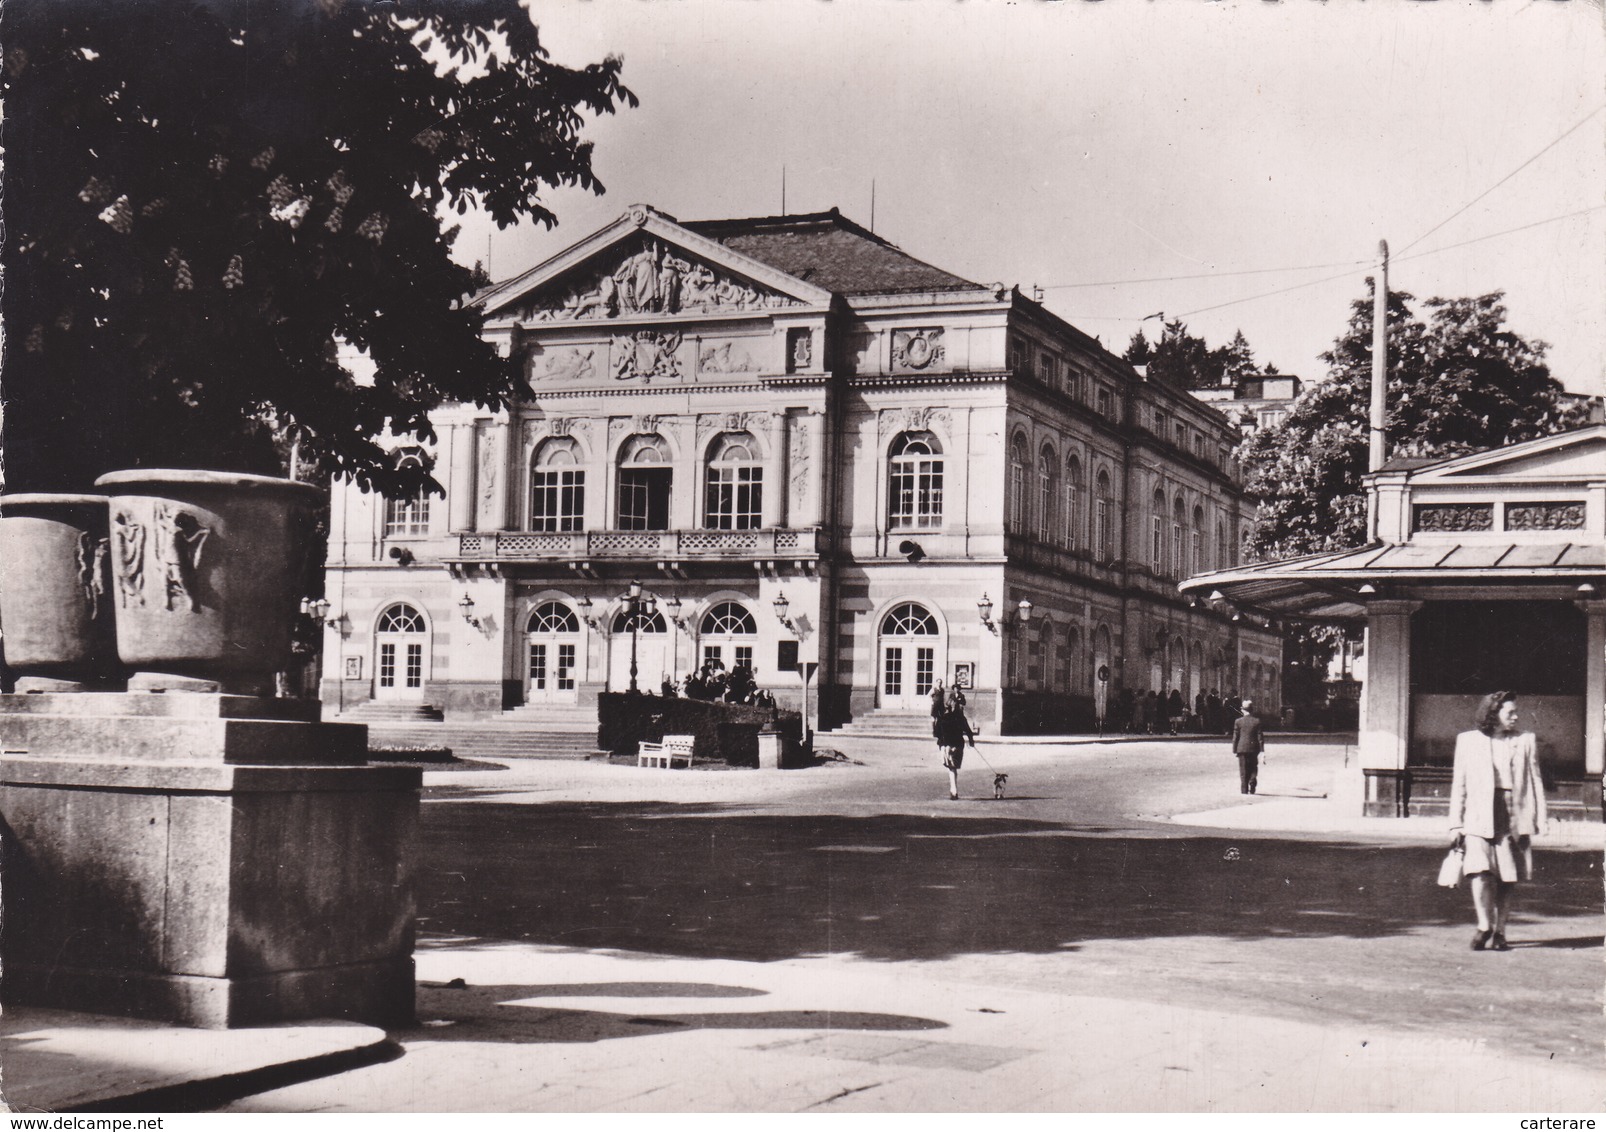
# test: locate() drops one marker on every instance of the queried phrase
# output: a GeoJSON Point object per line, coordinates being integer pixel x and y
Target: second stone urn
{"type": "Point", "coordinates": [55, 598]}
{"type": "Point", "coordinates": [207, 569]}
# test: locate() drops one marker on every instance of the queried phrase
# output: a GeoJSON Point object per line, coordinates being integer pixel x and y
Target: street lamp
{"type": "Point", "coordinates": [781, 607]}
{"type": "Point", "coordinates": [635, 602]}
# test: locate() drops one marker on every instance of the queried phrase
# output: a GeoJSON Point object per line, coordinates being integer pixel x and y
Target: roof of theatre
{"type": "Point", "coordinates": [830, 251]}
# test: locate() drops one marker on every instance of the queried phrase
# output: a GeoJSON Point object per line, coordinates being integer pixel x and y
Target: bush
{"type": "Point", "coordinates": [724, 732]}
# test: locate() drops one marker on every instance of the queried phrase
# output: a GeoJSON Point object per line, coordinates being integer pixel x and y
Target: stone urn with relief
{"type": "Point", "coordinates": [207, 573]}
{"type": "Point", "coordinates": [55, 592]}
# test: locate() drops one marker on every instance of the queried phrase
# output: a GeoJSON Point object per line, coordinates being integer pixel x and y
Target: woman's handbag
{"type": "Point", "coordinates": [1450, 871]}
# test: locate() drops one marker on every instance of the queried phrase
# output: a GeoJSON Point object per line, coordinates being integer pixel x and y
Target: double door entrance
{"type": "Point", "coordinates": [909, 642]}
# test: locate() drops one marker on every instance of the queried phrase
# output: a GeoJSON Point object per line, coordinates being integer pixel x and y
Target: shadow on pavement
{"type": "Point", "coordinates": [514, 1013]}
{"type": "Point", "coordinates": [699, 881]}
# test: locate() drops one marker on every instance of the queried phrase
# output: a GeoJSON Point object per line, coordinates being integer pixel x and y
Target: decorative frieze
{"type": "Point", "coordinates": [1562, 516]}
{"type": "Point", "coordinates": [647, 277]}
{"type": "Point", "coordinates": [727, 356]}
{"type": "Point", "coordinates": [1454, 517]}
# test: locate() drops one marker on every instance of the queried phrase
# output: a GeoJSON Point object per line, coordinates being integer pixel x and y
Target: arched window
{"type": "Point", "coordinates": [408, 517]}
{"type": "Point", "coordinates": [557, 487]}
{"type": "Point", "coordinates": [645, 482]}
{"type": "Point", "coordinates": [1039, 653]}
{"type": "Point", "coordinates": [1105, 519]}
{"type": "Point", "coordinates": [401, 619]}
{"type": "Point", "coordinates": [1073, 503]}
{"type": "Point", "coordinates": [553, 617]}
{"type": "Point", "coordinates": [1048, 493]}
{"type": "Point", "coordinates": [1221, 544]}
{"type": "Point", "coordinates": [1074, 674]}
{"type": "Point", "coordinates": [1017, 485]}
{"type": "Point", "coordinates": [728, 619]}
{"type": "Point", "coordinates": [734, 498]}
{"type": "Point", "coordinates": [1179, 562]}
{"type": "Point", "coordinates": [1198, 541]}
{"type": "Point", "coordinates": [1157, 509]}
{"type": "Point", "coordinates": [908, 620]}
{"type": "Point", "coordinates": [914, 487]}
{"type": "Point", "coordinates": [728, 624]}
{"type": "Point", "coordinates": [646, 622]}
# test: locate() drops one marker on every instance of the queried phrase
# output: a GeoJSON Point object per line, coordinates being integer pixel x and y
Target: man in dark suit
{"type": "Point", "coordinates": [1247, 743]}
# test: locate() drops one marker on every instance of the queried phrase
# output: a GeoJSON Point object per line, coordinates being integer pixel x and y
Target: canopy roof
{"type": "Point", "coordinates": [1329, 586]}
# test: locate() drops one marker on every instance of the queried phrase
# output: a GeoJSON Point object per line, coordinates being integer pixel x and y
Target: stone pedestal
{"type": "Point", "coordinates": [208, 860]}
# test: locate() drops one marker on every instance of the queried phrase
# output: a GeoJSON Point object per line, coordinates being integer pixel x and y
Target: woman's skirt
{"type": "Point", "coordinates": [953, 757]}
{"type": "Point", "coordinates": [1510, 859]}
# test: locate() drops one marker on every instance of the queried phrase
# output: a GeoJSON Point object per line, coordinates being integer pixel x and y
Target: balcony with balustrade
{"type": "Point", "coordinates": [594, 553]}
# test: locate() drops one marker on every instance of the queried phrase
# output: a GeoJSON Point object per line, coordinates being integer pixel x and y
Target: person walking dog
{"type": "Point", "coordinates": [953, 730]}
{"type": "Point", "coordinates": [1497, 802]}
{"type": "Point", "coordinates": [1247, 743]}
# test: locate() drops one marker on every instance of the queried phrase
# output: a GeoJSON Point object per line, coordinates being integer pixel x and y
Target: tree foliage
{"type": "Point", "coordinates": [1188, 361]}
{"type": "Point", "coordinates": [203, 196]}
{"type": "Point", "coordinates": [1459, 382]}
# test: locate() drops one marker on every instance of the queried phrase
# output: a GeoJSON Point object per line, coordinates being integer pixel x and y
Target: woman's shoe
{"type": "Point", "coordinates": [1497, 942]}
{"type": "Point", "coordinates": [1480, 939]}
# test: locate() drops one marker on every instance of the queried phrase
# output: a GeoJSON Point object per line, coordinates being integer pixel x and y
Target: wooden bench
{"type": "Point", "coordinates": [674, 749]}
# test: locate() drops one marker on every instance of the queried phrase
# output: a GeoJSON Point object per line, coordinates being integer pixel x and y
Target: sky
{"type": "Point", "coordinates": [1100, 149]}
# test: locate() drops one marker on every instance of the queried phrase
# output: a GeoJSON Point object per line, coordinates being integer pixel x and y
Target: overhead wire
{"type": "Point", "coordinates": [1562, 137]}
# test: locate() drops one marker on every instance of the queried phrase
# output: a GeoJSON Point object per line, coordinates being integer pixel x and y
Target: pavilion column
{"type": "Point", "coordinates": [1595, 686]}
{"type": "Point", "coordinates": [1386, 716]}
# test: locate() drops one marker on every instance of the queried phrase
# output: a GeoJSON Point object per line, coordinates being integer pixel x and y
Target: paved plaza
{"type": "Point", "coordinates": [1122, 931]}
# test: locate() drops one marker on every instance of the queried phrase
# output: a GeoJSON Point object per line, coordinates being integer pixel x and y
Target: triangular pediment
{"type": "Point", "coordinates": [646, 266]}
{"type": "Point", "coordinates": [1577, 455]}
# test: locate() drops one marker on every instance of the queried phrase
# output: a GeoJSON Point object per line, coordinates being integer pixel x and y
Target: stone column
{"type": "Point", "coordinates": [809, 471]}
{"type": "Point", "coordinates": [772, 512]}
{"type": "Point", "coordinates": [460, 489]}
{"type": "Point", "coordinates": [1386, 722]}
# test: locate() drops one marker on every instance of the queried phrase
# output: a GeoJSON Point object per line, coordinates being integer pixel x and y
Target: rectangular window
{"type": "Point", "coordinates": [1157, 545]}
{"type": "Point", "coordinates": [892, 677]}
{"type": "Point", "coordinates": [565, 668]}
{"type": "Point", "coordinates": [407, 518]}
{"type": "Point", "coordinates": [558, 500]}
{"type": "Point", "coordinates": [1045, 506]}
{"type": "Point", "coordinates": [538, 667]}
{"type": "Point", "coordinates": [387, 666]}
{"type": "Point", "coordinates": [415, 666]}
{"type": "Point", "coordinates": [1103, 400]}
{"type": "Point", "coordinates": [925, 670]}
{"type": "Point", "coordinates": [644, 499]}
{"type": "Point", "coordinates": [916, 492]}
{"type": "Point", "coordinates": [744, 656]}
{"type": "Point", "coordinates": [735, 498]}
{"type": "Point", "coordinates": [1103, 552]}
{"type": "Point", "coordinates": [714, 654]}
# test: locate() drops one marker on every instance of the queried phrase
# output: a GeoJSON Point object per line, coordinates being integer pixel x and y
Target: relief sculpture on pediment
{"type": "Point", "coordinates": [649, 278]}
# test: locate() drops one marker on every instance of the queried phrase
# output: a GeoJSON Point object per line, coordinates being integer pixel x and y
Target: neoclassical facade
{"type": "Point", "coordinates": [943, 480]}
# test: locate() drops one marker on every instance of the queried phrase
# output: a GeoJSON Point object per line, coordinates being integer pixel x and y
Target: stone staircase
{"type": "Point", "coordinates": [885, 724]}
{"type": "Point", "coordinates": [489, 740]}
{"type": "Point", "coordinates": [379, 712]}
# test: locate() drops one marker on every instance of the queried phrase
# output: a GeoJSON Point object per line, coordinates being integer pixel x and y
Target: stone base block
{"type": "Point", "coordinates": [207, 894]}
{"type": "Point", "coordinates": [380, 994]}
{"type": "Point", "coordinates": [177, 727]}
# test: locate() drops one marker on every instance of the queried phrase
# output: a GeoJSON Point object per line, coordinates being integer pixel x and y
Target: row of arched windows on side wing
{"type": "Point", "coordinates": [1066, 517]}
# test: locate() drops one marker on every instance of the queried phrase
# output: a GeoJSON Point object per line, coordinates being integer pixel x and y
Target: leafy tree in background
{"type": "Point", "coordinates": [202, 196]}
{"type": "Point", "coordinates": [1185, 360]}
{"type": "Point", "coordinates": [1460, 382]}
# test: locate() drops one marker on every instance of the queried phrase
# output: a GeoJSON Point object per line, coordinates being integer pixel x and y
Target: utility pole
{"type": "Point", "coordinates": [1377, 451]}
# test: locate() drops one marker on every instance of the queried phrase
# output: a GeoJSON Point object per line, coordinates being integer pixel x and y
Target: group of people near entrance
{"type": "Point", "coordinates": [1163, 713]}
{"type": "Point", "coordinates": [712, 683]}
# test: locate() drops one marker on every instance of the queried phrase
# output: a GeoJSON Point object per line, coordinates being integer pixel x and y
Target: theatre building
{"type": "Point", "coordinates": [942, 480]}
{"type": "Point", "coordinates": [1488, 574]}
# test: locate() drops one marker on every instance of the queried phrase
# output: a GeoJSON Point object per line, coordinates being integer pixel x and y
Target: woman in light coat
{"type": "Point", "coordinates": [1497, 803]}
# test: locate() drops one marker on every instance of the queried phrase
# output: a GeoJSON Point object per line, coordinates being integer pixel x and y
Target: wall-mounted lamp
{"type": "Point", "coordinates": [781, 606]}
{"type": "Point", "coordinates": [318, 609]}
{"type": "Point", "coordinates": [984, 608]}
{"type": "Point", "coordinates": [586, 614]}
{"type": "Point", "coordinates": [672, 606]}
{"type": "Point", "coordinates": [467, 606]}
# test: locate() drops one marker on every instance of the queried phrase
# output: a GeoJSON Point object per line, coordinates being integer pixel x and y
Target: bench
{"type": "Point", "coordinates": [674, 749]}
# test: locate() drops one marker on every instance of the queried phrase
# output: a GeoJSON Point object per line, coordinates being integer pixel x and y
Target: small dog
{"type": "Point", "coordinates": [998, 784]}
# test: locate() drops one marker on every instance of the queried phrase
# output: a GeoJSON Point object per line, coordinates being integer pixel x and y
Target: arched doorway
{"type": "Point", "coordinates": [401, 654]}
{"type": "Point", "coordinates": [653, 661]}
{"type": "Point", "coordinates": [909, 640]}
{"type": "Point", "coordinates": [727, 634]}
{"type": "Point", "coordinates": [553, 654]}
